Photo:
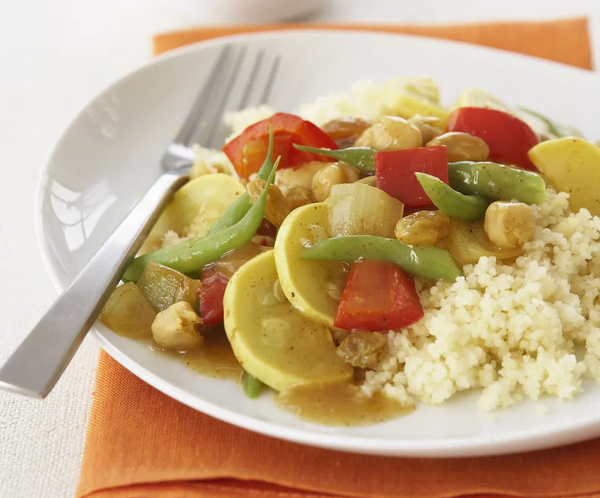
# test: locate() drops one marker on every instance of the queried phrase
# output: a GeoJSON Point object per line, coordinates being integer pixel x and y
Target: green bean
{"type": "Point", "coordinates": [236, 211]}
{"type": "Point", "coordinates": [425, 261]}
{"type": "Point", "coordinates": [252, 386]}
{"type": "Point", "coordinates": [451, 202]}
{"type": "Point", "coordinates": [359, 157]}
{"type": "Point", "coordinates": [551, 125]}
{"type": "Point", "coordinates": [497, 182]}
{"type": "Point", "coordinates": [196, 253]}
{"type": "Point", "coordinates": [233, 214]}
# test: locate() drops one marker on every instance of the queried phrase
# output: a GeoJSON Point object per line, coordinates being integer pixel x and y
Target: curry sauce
{"type": "Point", "coordinates": [340, 404]}
{"type": "Point", "coordinates": [214, 359]}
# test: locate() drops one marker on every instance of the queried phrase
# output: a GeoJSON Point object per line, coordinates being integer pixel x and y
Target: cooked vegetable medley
{"type": "Point", "coordinates": [384, 251]}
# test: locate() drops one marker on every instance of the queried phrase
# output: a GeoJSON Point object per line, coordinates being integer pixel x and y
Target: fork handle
{"type": "Point", "coordinates": [39, 361]}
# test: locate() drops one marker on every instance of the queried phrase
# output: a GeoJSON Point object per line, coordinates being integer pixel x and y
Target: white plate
{"type": "Point", "coordinates": [110, 155]}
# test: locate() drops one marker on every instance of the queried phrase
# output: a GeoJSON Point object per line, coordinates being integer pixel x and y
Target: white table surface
{"type": "Point", "coordinates": [55, 56]}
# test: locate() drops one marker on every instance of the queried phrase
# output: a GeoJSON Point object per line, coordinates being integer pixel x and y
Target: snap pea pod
{"type": "Point", "coordinates": [451, 202]}
{"type": "Point", "coordinates": [497, 182]}
{"type": "Point", "coordinates": [196, 253]}
{"type": "Point", "coordinates": [252, 386]}
{"type": "Point", "coordinates": [236, 211]}
{"type": "Point", "coordinates": [360, 157]}
{"type": "Point", "coordinates": [425, 261]}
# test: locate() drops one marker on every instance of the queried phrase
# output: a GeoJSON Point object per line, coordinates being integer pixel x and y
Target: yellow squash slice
{"type": "Point", "coordinates": [572, 165]}
{"type": "Point", "coordinates": [270, 338]}
{"type": "Point", "coordinates": [313, 287]}
{"type": "Point", "coordinates": [195, 207]}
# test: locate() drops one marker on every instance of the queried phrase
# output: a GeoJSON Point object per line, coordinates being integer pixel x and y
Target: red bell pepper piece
{"type": "Point", "coordinates": [395, 172]}
{"type": "Point", "coordinates": [378, 296]}
{"type": "Point", "coordinates": [248, 151]}
{"type": "Point", "coordinates": [210, 296]}
{"type": "Point", "coordinates": [508, 138]}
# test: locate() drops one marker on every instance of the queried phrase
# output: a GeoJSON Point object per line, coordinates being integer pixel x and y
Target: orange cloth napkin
{"type": "Point", "coordinates": [565, 41]}
{"type": "Point", "coordinates": [142, 443]}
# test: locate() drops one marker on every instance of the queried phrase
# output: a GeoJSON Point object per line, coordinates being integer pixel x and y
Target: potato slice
{"type": "Point", "coordinates": [195, 207]}
{"type": "Point", "coordinates": [272, 340]}
{"type": "Point", "coordinates": [572, 165]}
{"type": "Point", "coordinates": [313, 287]}
{"type": "Point", "coordinates": [128, 312]}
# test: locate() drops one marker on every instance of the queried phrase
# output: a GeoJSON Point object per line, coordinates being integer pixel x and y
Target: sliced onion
{"type": "Point", "coordinates": [359, 209]}
{"type": "Point", "coordinates": [468, 242]}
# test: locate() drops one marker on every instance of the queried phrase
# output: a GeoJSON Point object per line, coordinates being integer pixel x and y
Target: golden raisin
{"type": "Point", "coordinates": [277, 207]}
{"type": "Point", "coordinates": [423, 228]}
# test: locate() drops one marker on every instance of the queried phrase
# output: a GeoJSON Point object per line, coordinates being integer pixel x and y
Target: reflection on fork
{"type": "Point", "coordinates": [79, 212]}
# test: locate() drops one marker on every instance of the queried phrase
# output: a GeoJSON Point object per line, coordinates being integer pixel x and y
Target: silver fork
{"type": "Point", "coordinates": [238, 79]}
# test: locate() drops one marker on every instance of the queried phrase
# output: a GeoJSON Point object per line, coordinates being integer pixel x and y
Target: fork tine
{"type": "Point", "coordinates": [231, 85]}
{"type": "Point", "coordinates": [252, 88]}
{"type": "Point", "coordinates": [191, 122]}
{"type": "Point", "coordinates": [216, 116]}
{"type": "Point", "coordinates": [253, 75]}
{"type": "Point", "coordinates": [271, 80]}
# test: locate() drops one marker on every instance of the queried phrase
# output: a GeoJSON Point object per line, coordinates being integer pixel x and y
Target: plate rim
{"type": "Point", "coordinates": [562, 433]}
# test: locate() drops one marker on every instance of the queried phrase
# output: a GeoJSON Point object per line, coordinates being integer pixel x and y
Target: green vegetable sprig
{"type": "Point", "coordinates": [252, 386]}
{"type": "Point", "coordinates": [497, 182]}
{"type": "Point", "coordinates": [451, 202]}
{"type": "Point", "coordinates": [551, 125]}
{"type": "Point", "coordinates": [425, 261]}
{"type": "Point", "coordinates": [359, 157]}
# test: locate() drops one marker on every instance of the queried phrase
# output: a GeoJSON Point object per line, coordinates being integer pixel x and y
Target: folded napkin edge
{"type": "Point", "coordinates": [577, 26]}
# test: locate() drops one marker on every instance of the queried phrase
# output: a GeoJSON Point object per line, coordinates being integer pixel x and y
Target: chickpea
{"type": "Point", "coordinates": [178, 327]}
{"type": "Point", "coordinates": [352, 174]}
{"type": "Point", "coordinates": [299, 176]}
{"type": "Point", "coordinates": [391, 133]}
{"type": "Point", "coordinates": [427, 127]}
{"type": "Point", "coordinates": [326, 178]}
{"type": "Point", "coordinates": [277, 207]}
{"type": "Point", "coordinates": [299, 196]}
{"type": "Point", "coordinates": [423, 228]}
{"type": "Point", "coordinates": [462, 146]}
{"type": "Point", "coordinates": [509, 224]}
